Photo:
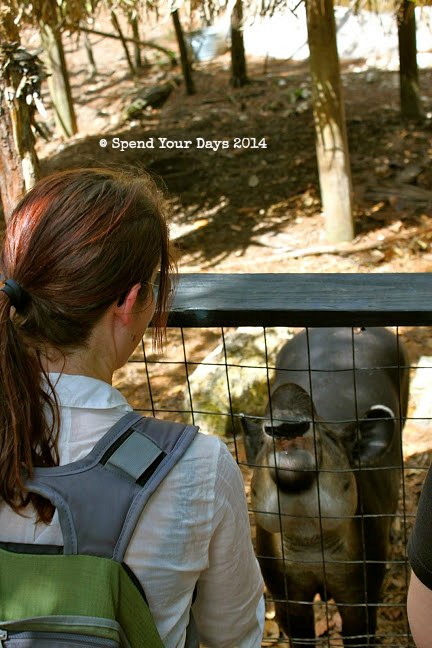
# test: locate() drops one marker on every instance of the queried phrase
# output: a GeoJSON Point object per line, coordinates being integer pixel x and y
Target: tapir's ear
{"type": "Point", "coordinates": [375, 435]}
{"type": "Point", "coordinates": [252, 436]}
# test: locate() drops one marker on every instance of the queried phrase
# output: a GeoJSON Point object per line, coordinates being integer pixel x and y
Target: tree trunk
{"type": "Point", "coordinates": [90, 57]}
{"type": "Point", "coordinates": [118, 29]}
{"type": "Point", "coordinates": [238, 60]}
{"type": "Point", "coordinates": [133, 21]}
{"type": "Point", "coordinates": [58, 81]}
{"type": "Point", "coordinates": [185, 63]}
{"type": "Point", "coordinates": [11, 172]}
{"type": "Point", "coordinates": [408, 72]}
{"type": "Point", "coordinates": [19, 166]}
{"type": "Point", "coordinates": [329, 116]}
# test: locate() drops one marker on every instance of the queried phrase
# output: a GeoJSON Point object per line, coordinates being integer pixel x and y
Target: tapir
{"type": "Point", "coordinates": [327, 465]}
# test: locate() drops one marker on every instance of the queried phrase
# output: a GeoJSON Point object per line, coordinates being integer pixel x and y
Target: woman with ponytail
{"type": "Point", "coordinates": [80, 258]}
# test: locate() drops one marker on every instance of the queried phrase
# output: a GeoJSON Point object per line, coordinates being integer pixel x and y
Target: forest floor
{"type": "Point", "coordinates": [258, 209]}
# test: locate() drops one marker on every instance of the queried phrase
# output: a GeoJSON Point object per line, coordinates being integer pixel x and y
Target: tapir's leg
{"type": "Point", "coordinates": [358, 619]}
{"type": "Point", "coordinates": [287, 583]}
{"type": "Point", "coordinates": [356, 630]}
{"type": "Point", "coordinates": [295, 619]}
{"type": "Point", "coordinates": [297, 622]}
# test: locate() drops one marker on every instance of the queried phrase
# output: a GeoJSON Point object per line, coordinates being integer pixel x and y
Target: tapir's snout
{"type": "Point", "coordinates": [292, 450]}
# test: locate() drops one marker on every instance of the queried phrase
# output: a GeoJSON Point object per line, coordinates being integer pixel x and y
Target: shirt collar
{"type": "Point", "coordinates": [86, 392]}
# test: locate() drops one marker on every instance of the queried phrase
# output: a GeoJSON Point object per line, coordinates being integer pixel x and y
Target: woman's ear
{"type": "Point", "coordinates": [125, 308]}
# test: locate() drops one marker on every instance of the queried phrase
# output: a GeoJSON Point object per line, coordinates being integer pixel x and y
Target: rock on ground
{"type": "Point", "coordinates": [234, 379]}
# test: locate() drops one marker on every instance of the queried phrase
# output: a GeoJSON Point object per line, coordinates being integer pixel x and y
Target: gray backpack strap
{"type": "Point", "coordinates": [100, 498]}
{"type": "Point", "coordinates": [165, 443]}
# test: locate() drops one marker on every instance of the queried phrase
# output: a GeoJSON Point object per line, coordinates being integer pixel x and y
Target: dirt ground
{"type": "Point", "coordinates": [252, 209]}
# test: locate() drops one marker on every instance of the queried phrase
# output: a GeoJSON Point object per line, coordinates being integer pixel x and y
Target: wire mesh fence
{"type": "Point", "coordinates": [333, 466]}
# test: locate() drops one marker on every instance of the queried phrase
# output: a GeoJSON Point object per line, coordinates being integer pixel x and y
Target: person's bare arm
{"type": "Point", "coordinates": [419, 606]}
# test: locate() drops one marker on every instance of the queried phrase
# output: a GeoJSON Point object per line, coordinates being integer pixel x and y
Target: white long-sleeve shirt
{"type": "Point", "coordinates": [194, 527]}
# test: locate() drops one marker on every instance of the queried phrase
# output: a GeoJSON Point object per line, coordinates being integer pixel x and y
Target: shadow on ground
{"type": "Point", "coordinates": [224, 201]}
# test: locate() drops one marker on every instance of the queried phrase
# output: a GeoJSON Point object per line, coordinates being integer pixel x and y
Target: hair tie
{"type": "Point", "coordinates": [16, 293]}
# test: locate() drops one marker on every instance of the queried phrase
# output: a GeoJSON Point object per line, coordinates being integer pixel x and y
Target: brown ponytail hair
{"type": "Point", "coordinates": [75, 243]}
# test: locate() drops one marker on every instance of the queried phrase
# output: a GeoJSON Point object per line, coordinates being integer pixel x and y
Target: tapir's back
{"type": "Point", "coordinates": [322, 361]}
